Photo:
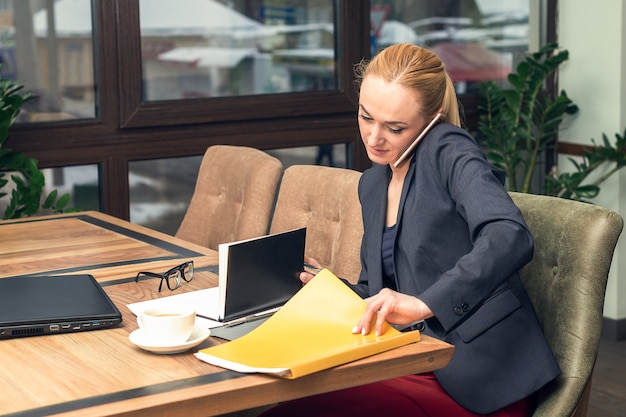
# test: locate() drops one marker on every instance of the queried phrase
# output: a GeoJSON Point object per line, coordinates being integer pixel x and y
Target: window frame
{"type": "Point", "coordinates": [124, 125]}
{"type": "Point", "coordinates": [134, 112]}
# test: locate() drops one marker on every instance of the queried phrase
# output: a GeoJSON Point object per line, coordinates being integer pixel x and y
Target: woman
{"type": "Point", "coordinates": [441, 248]}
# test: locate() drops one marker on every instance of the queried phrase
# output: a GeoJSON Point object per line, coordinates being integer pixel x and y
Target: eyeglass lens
{"type": "Point", "coordinates": [187, 271]}
{"type": "Point", "coordinates": [176, 275]}
{"type": "Point", "coordinates": [173, 280]}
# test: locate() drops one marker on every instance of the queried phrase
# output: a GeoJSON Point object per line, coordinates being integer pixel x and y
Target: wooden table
{"type": "Point", "coordinates": [100, 373]}
{"type": "Point", "coordinates": [91, 242]}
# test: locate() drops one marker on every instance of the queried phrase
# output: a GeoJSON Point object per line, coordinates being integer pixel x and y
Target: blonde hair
{"type": "Point", "coordinates": [418, 69]}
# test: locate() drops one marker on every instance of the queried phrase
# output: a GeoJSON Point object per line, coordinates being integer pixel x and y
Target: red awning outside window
{"type": "Point", "coordinates": [468, 61]}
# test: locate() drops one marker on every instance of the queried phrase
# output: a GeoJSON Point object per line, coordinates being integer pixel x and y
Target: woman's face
{"type": "Point", "coordinates": [389, 119]}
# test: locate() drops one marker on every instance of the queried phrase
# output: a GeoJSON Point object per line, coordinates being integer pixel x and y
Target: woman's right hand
{"type": "Point", "coordinates": [308, 274]}
{"type": "Point", "coordinates": [392, 307]}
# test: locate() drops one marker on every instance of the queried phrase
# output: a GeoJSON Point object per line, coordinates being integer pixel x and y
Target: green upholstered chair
{"type": "Point", "coordinates": [324, 200]}
{"type": "Point", "coordinates": [234, 196]}
{"type": "Point", "coordinates": [566, 280]}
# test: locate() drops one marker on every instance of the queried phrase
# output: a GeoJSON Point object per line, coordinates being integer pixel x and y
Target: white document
{"type": "Point", "coordinates": [205, 301]}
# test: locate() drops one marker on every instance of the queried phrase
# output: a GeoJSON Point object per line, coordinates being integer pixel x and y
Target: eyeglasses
{"type": "Point", "coordinates": [174, 277]}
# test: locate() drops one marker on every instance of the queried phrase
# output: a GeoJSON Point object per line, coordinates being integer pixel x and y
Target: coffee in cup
{"type": "Point", "coordinates": [168, 324]}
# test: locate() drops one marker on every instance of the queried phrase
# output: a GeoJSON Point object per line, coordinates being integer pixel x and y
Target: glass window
{"type": "Point", "coordinates": [477, 40]}
{"type": "Point", "coordinates": [160, 191]}
{"type": "Point", "coordinates": [206, 48]}
{"type": "Point", "coordinates": [80, 182]}
{"type": "Point", "coordinates": [47, 46]}
{"type": "Point", "coordinates": [334, 155]}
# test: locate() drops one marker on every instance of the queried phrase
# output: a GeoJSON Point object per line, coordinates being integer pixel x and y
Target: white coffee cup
{"type": "Point", "coordinates": [168, 324]}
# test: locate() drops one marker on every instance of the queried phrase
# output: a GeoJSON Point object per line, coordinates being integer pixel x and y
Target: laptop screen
{"type": "Point", "coordinates": [261, 274]}
{"type": "Point", "coordinates": [54, 304]}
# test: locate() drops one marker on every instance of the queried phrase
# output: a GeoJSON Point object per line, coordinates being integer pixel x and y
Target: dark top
{"type": "Point", "coordinates": [389, 276]}
{"type": "Point", "coordinates": [460, 241]}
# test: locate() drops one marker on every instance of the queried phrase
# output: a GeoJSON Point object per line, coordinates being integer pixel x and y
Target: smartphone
{"type": "Point", "coordinates": [311, 269]}
{"type": "Point", "coordinates": [417, 140]}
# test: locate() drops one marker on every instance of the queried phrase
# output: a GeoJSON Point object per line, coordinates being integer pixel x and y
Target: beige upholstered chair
{"type": "Point", "coordinates": [234, 196]}
{"type": "Point", "coordinates": [566, 280]}
{"type": "Point", "coordinates": [326, 201]}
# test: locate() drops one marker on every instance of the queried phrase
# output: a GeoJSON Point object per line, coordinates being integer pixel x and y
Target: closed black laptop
{"type": "Point", "coordinates": [31, 306]}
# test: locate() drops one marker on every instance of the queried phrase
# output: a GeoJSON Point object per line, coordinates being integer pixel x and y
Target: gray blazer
{"type": "Point", "coordinates": [460, 242]}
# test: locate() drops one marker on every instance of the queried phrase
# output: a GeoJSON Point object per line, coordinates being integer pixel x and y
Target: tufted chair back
{"type": "Point", "coordinates": [325, 201]}
{"type": "Point", "coordinates": [234, 196]}
{"type": "Point", "coordinates": [566, 280]}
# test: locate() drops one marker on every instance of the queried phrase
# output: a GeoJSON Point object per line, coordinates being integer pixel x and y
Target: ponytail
{"type": "Point", "coordinates": [450, 104]}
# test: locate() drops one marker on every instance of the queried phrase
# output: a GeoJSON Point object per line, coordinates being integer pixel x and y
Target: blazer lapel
{"type": "Point", "coordinates": [378, 223]}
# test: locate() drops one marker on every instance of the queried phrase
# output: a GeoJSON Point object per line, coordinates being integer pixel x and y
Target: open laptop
{"type": "Point", "coordinates": [256, 277]}
{"type": "Point", "coordinates": [39, 305]}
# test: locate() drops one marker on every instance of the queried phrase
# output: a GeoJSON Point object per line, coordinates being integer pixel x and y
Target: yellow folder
{"type": "Point", "coordinates": [310, 333]}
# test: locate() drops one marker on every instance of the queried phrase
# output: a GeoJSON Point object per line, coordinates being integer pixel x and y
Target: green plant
{"type": "Point", "coordinates": [18, 171]}
{"type": "Point", "coordinates": [571, 184]}
{"type": "Point", "coordinates": [518, 124]}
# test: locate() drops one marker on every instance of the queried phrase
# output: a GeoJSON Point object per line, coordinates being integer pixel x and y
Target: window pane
{"type": "Point", "coordinates": [80, 182]}
{"type": "Point", "coordinates": [47, 46]}
{"type": "Point", "coordinates": [477, 40]}
{"type": "Point", "coordinates": [334, 155]}
{"type": "Point", "coordinates": [160, 189]}
{"type": "Point", "coordinates": [208, 48]}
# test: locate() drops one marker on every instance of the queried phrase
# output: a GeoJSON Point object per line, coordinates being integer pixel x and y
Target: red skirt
{"type": "Point", "coordinates": [415, 395]}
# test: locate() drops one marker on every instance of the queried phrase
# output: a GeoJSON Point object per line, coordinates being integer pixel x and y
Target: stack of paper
{"type": "Point", "coordinates": [310, 333]}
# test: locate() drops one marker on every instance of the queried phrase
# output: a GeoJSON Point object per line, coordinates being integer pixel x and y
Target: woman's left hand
{"type": "Point", "coordinates": [393, 307]}
{"type": "Point", "coordinates": [307, 275]}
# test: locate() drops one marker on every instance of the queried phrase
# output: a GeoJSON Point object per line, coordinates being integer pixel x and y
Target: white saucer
{"type": "Point", "coordinates": [199, 335]}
